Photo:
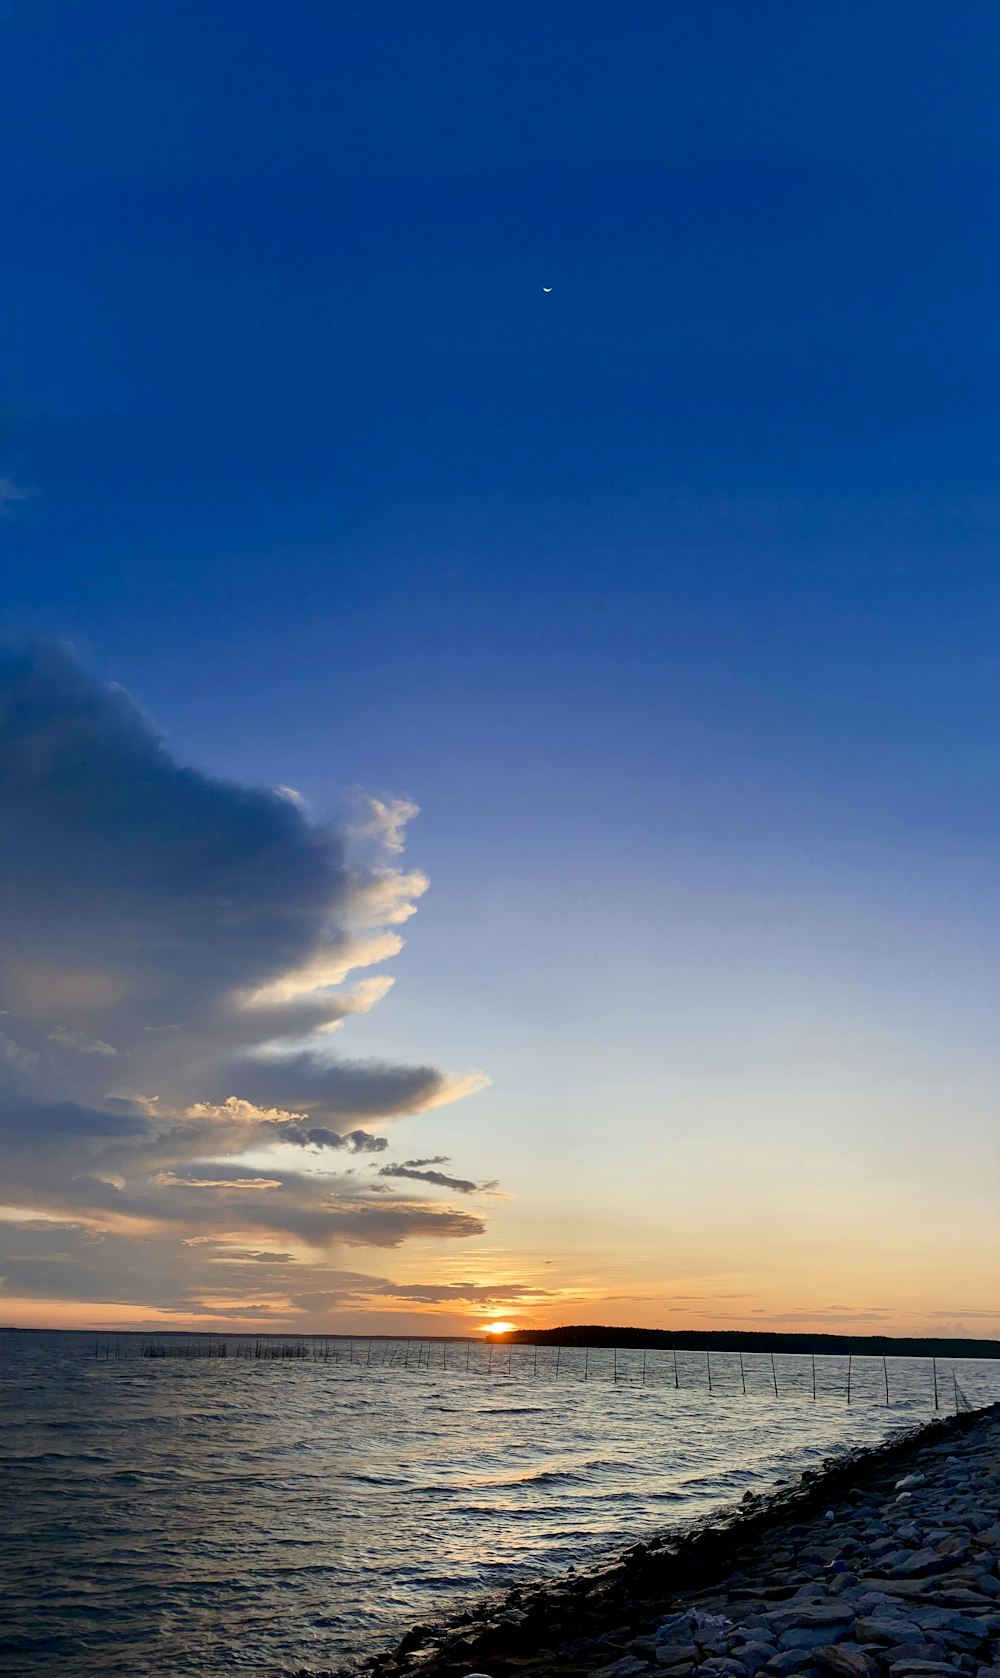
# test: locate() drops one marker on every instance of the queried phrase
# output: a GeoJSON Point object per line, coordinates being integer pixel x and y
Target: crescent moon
{"type": "Point", "coordinates": [546, 288]}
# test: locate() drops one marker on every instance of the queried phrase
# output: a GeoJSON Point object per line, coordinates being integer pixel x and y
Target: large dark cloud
{"type": "Point", "coordinates": [175, 957]}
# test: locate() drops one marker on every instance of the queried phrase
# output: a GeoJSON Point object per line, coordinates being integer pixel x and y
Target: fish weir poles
{"type": "Point", "coordinates": [774, 1376]}
{"type": "Point", "coordinates": [368, 1359]}
{"type": "Point", "coordinates": [848, 1377]}
{"type": "Point", "coordinates": [743, 1376]}
{"type": "Point", "coordinates": [814, 1375]}
{"type": "Point", "coordinates": [708, 1367]}
{"type": "Point", "coordinates": [644, 1366]}
{"type": "Point", "coordinates": [934, 1369]}
{"type": "Point", "coordinates": [885, 1377]}
{"type": "Point", "coordinates": [586, 1367]}
{"type": "Point", "coordinates": [954, 1382]}
{"type": "Point", "coordinates": [558, 1357]}
{"type": "Point", "coordinates": [677, 1379]}
{"type": "Point", "coordinates": [616, 1366]}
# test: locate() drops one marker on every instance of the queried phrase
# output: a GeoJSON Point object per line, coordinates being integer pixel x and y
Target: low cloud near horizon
{"type": "Point", "coordinates": [177, 955]}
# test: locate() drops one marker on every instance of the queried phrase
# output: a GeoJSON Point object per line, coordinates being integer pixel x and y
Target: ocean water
{"type": "Point", "coordinates": [205, 1516]}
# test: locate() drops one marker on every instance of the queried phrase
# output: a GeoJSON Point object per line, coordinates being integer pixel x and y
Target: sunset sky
{"type": "Point", "coordinates": [499, 786]}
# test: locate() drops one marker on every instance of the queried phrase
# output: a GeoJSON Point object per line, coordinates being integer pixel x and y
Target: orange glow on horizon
{"type": "Point", "coordinates": [499, 1328]}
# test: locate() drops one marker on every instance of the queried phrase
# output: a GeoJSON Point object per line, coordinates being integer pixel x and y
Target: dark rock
{"type": "Point", "coordinates": [918, 1564]}
{"type": "Point", "coordinates": [754, 1650]}
{"type": "Point", "coordinates": [921, 1669]}
{"type": "Point", "coordinates": [811, 1637]}
{"type": "Point", "coordinates": [875, 1629]}
{"type": "Point", "coordinates": [805, 1615]}
{"type": "Point", "coordinates": [843, 1660]}
{"type": "Point", "coordinates": [789, 1661]}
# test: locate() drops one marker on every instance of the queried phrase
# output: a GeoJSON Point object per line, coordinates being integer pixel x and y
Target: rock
{"type": "Point", "coordinates": [895, 1587]}
{"type": "Point", "coordinates": [986, 1583]}
{"type": "Point", "coordinates": [918, 1564]}
{"type": "Point", "coordinates": [921, 1669]}
{"type": "Point", "coordinates": [871, 1629]}
{"type": "Point", "coordinates": [956, 1545]}
{"type": "Point", "coordinates": [788, 1661]}
{"type": "Point", "coordinates": [627, 1668]}
{"type": "Point", "coordinates": [675, 1654]}
{"type": "Point", "coordinates": [809, 1616]}
{"type": "Point", "coordinates": [672, 1623]}
{"type": "Point", "coordinates": [843, 1660]}
{"type": "Point", "coordinates": [754, 1654]}
{"type": "Point", "coordinates": [809, 1637]}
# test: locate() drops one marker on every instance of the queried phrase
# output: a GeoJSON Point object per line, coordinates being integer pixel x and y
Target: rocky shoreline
{"type": "Point", "coordinates": [883, 1564]}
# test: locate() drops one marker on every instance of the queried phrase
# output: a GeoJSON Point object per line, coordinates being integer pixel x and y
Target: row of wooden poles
{"type": "Point", "coordinates": [407, 1354]}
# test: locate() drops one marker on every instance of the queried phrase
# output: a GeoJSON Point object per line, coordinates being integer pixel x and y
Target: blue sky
{"type": "Point", "coordinates": [671, 596]}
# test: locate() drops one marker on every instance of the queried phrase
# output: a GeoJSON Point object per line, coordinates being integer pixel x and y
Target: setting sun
{"type": "Point", "coordinates": [500, 1328]}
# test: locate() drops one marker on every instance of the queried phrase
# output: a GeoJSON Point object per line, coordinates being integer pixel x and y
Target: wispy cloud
{"type": "Point", "coordinates": [460, 1185]}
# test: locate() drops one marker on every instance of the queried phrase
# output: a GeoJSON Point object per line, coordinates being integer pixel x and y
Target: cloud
{"type": "Point", "coordinates": [173, 950]}
{"type": "Point", "coordinates": [79, 1041]}
{"type": "Point", "coordinates": [384, 819]}
{"type": "Point", "coordinates": [461, 1185]}
{"type": "Point", "coordinates": [434, 1159]}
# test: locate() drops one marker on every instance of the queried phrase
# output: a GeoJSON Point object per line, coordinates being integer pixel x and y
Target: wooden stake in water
{"type": "Point", "coordinates": [934, 1368]}
{"type": "Point", "coordinates": [558, 1356]}
{"type": "Point", "coordinates": [885, 1376]}
{"type": "Point", "coordinates": [954, 1382]}
{"type": "Point", "coordinates": [848, 1377]}
{"type": "Point", "coordinates": [535, 1370]}
{"type": "Point", "coordinates": [616, 1366]}
{"type": "Point", "coordinates": [644, 1366]}
{"type": "Point", "coordinates": [814, 1373]}
{"type": "Point", "coordinates": [677, 1379]}
{"type": "Point", "coordinates": [489, 1366]}
{"type": "Point", "coordinates": [774, 1376]}
{"type": "Point", "coordinates": [743, 1376]}
{"type": "Point", "coordinates": [586, 1364]}
{"type": "Point", "coordinates": [708, 1367]}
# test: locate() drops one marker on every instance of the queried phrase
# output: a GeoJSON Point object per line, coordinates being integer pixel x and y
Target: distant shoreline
{"type": "Point", "coordinates": [752, 1340]}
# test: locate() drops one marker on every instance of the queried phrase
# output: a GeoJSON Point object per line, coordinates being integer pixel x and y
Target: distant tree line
{"type": "Point", "coordinates": [753, 1340]}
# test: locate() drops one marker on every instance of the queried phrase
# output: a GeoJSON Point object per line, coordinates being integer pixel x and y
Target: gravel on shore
{"type": "Point", "coordinates": [883, 1564]}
